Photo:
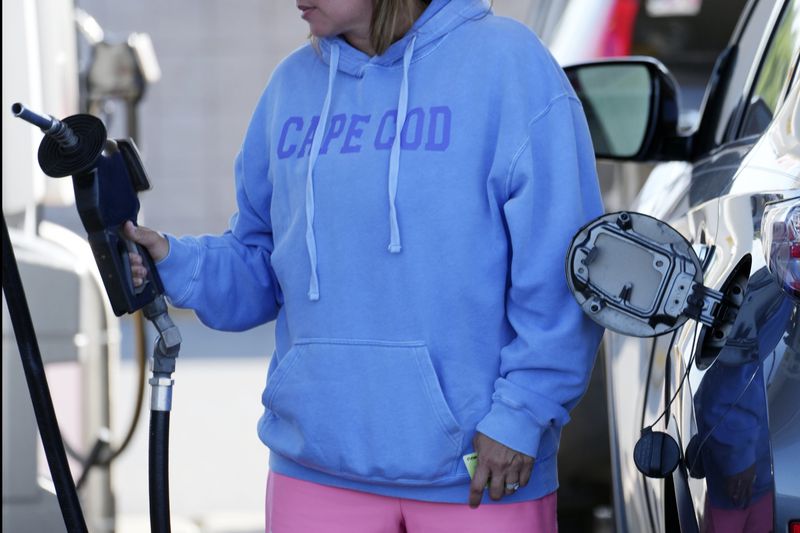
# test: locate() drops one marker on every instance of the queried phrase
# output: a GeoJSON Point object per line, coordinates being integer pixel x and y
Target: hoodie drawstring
{"type": "Point", "coordinates": [394, 163]}
{"type": "Point", "coordinates": [311, 241]}
{"type": "Point", "coordinates": [394, 158]}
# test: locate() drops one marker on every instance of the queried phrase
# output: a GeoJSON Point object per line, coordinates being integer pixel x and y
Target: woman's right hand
{"type": "Point", "coordinates": [156, 244]}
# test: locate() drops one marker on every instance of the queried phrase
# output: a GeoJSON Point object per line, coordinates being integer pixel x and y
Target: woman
{"type": "Point", "coordinates": [412, 250]}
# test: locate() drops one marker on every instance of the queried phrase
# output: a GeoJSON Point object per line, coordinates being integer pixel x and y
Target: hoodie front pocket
{"type": "Point", "coordinates": [362, 409]}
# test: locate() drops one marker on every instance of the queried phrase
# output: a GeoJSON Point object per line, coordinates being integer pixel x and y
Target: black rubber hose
{"type": "Point", "coordinates": [92, 460]}
{"type": "Point", "coordinates": [40, 393]}
{"type": "Point", "coordinates": [159, 472]}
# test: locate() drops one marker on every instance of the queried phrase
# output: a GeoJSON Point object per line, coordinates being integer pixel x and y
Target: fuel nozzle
{"type": "Point", "coordinates": [106, 175]}
{"type": "Point", "coordinates": [69, 146]}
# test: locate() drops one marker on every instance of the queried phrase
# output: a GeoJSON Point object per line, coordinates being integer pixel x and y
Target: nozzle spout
{"type": "Point", "coordinates": [52, 127]}
{"type": "Point", "coordinates": [43, 122]}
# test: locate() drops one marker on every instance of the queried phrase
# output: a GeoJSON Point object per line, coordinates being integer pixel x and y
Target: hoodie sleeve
{"type": "Point", "coordinates": [552, 190]}
{"type": "Point", "coordinates": [227, 279]}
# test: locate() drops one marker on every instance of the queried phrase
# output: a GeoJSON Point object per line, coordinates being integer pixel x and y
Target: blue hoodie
{"type": "Point", "coordinates": [416, 266]}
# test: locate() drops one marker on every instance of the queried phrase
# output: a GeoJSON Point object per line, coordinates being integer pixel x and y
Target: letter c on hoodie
{"type": "Point", "coordinates": [381, 144]}
{"type": "Point", "coordinates": [286, 151]}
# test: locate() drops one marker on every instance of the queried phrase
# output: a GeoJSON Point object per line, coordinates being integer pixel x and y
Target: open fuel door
{"type": "Point", "coordinates": [636, 275]}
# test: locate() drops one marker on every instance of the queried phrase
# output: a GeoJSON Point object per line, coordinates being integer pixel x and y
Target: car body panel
{"type": "Point", "coordinates": [717, 202]}
{"type": "Point", "coordinates": [776, 157]}
{"type": "Point", "coordinates": [733, 390]}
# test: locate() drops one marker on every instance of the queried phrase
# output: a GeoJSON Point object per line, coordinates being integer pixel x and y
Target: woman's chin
{"type": "Point", "coordinates": [320, 31]}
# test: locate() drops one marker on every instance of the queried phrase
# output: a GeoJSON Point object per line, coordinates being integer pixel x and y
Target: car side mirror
{"type": "Point", "coordinates": [631, 106]}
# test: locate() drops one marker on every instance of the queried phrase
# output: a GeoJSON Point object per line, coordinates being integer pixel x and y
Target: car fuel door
{"type": "Point", "coordinates": [636, 275]}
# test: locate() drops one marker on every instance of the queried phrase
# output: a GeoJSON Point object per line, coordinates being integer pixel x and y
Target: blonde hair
{"type": "Point", "coordinates": [390, 20]}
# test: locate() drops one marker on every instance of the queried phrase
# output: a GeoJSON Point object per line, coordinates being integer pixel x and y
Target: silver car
{"type": "Point", "coordinates": [713, 404]}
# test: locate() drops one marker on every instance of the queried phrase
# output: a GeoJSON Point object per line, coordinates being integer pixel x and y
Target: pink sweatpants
{"type": "Point", "coordinates": [755, 518]}
{"type": "Point", "coordinates": [295, 506]}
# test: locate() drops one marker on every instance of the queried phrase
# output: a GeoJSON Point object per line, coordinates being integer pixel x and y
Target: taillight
{"type": "Point", "coordinates": [618, 35]}
{"type": "Point", "coordinates": [794, 526]}
{"type": "Point", "coordinates": [780, 235]}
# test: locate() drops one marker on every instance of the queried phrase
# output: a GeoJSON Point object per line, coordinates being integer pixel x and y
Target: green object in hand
{"type": "Point", "coordinates": [471, 461]}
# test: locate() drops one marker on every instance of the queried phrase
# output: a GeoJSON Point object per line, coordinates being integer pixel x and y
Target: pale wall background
{"type": "Point", "coordinates": [216, 56]}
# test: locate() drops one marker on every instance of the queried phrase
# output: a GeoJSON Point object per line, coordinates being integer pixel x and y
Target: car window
{"type": "Point", "coordinates": [687, 36]}
{"type": "Point", "coordinates": [747, 50]}
{"type": "Point", "coordinates": [774, 72]}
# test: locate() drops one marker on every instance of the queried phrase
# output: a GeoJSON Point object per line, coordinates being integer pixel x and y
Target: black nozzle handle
{"type": "Point", "coordinates": [52, 127]}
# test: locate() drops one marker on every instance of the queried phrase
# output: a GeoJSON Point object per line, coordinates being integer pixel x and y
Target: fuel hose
{"type": "Point", "coordinates": [167, 347]}
{"type": "Point", "coordinates": [158, 464]}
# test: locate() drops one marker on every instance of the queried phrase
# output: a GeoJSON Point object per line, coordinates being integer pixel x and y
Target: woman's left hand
{"type": "Point", "coordinates": [500, 466]}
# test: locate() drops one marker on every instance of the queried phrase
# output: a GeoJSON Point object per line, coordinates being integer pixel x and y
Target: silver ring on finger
{"type": "Point", "coordinates": [512, 487]}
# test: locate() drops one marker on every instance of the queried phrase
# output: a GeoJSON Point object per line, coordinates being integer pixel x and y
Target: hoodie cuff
{"type": "Point", "coordinates": [513, 428]}
{"type": "Point", "coordinates": [178, 267]}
